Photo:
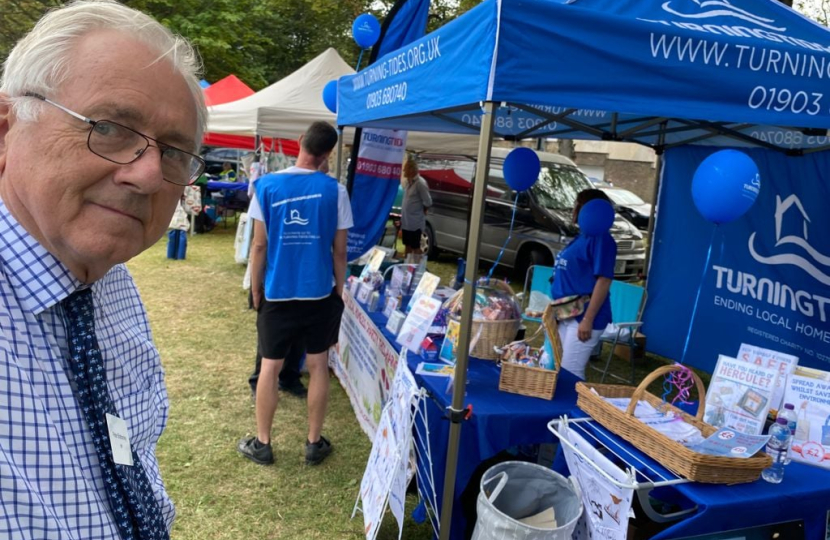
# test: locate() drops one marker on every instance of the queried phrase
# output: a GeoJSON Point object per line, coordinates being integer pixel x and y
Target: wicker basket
{"type": "Point", "coordinates": [531, 381]}
{"type": "Point", "coordinates": [486, 335]}
{"type": "Point", "coordinates": [671, 454]}
{"type": "Point", "coordinates": [493, 334]}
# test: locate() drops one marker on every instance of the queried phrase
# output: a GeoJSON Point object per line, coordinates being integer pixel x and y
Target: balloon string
{"type": "Point", "coordinates": [359, 59]}
{"type": "Point", "coordinates": [697, 298]}
{"type": "Point", "coordinates": [509, 236]}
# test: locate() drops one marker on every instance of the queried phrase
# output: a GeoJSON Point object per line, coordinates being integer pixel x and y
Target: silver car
{"type": "Point", "coordinates": [543, 224]}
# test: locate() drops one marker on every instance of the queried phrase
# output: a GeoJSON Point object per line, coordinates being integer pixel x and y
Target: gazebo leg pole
{"type": "Point", "coordinates": [661, 140]}
{"type": "Point", "coordinates": [338, 167]}
{"type": "Point", "coordinates": [460, 382]}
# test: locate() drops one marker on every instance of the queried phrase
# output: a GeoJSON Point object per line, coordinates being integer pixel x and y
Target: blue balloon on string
{"type": "Point", "coordinates": [521, 168]}
{"type": "Point", "coordinates": [330, 96]}
{"type": "Point", "coordinates": [725, 186]}
{"type": "Point", "coordinates": [366, 30]}
{"type": "Point", "coordinates": [596, 217]}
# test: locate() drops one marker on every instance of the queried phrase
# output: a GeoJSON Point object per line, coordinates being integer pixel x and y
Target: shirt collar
{"type": "Point", "coordinates": [38, 279]}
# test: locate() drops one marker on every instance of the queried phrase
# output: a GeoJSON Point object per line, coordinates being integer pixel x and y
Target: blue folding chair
{"type": "Point", "coordinates": [627, 302]}
{"type": "Point", "coordinates": [538, 279]}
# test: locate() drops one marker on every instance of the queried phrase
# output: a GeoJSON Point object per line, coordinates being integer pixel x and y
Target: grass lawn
{"type": "Point", "coordinates": [207, 338]}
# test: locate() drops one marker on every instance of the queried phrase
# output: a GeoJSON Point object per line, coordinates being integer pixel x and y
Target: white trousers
{"type": "Point", "coordinates": [575, 353]}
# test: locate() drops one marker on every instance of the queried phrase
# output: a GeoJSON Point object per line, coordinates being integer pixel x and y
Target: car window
{"type": "Point", "coordinates": [497, 187]}
{"type": "Point", "coordinates": [621, 196]}
{"type": "Point", "coordinates": [558, 186]}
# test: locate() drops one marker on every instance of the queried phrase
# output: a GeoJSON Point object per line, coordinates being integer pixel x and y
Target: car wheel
{"type": "Point", "coordinates": [531, 257]}
{"type": "Point", "coordinates": [428, 245]}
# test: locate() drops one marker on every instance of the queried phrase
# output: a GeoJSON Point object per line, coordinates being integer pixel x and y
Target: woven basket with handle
{"type": "Point", "coordinates": [671, 454]}
{"type": "Point", "coordinates": [486, 335]}
{"type": "Point", "coordinates": [532, 381]}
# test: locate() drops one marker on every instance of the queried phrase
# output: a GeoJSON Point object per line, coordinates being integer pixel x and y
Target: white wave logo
{"type": "Point", "coordinates": [722, 8]}
{"type": "Point", "coordinates": [295, 219]}
{"type": "Point", "coordinates": [811, 267]}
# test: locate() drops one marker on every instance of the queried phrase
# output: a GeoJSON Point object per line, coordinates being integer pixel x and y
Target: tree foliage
{"type": "Point", "coordinates": [262, 41]}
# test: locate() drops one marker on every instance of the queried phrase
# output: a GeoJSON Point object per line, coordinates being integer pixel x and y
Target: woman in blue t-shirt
{"type": "Point", "coordinates": [584, 268]}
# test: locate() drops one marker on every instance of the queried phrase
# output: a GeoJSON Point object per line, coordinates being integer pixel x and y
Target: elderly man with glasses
{"type": "Point", "coordinates": [100, 113]}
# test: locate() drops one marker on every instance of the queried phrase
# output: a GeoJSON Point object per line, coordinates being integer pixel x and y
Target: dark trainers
{"type": "Point", "coordinates": [295, 388]}
{"type": "Point", "coordinates": [315, 453]}
{"type": "Point", "coordinates": [258, 452]}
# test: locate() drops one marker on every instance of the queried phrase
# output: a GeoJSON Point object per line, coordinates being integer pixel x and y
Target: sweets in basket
{"type": "Point", "coordinates": [695, 466]}
{"type": "Point", "coordinates": [496, 317]}
{"type": "Point", "coordinates": [529, 372]}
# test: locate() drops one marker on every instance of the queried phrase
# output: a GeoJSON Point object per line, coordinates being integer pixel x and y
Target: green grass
{"type": "Point", "coordinates": [207, 339]}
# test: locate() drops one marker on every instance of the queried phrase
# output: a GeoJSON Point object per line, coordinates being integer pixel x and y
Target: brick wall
{"type": "Point", "coordinates": [635, 176]}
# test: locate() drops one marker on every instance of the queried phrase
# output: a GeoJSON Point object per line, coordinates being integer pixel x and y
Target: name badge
{"type": "Point", "coordinates": [122, 453]}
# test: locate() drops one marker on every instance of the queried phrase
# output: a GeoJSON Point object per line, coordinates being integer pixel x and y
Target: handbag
{"type": "Point", "coordinates": [569, 307]}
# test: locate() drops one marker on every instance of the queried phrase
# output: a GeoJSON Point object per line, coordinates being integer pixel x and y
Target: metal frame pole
{"type": "Point", "coordinates": [661, 140]}
{"type": "Point", "coordinates": [338, 168]}
{"type": "Point", "coordinates": [459, 386]}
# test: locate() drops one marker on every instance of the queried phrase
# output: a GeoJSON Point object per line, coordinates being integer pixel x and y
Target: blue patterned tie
{"type": "Point", "coordinates": [134, 506]}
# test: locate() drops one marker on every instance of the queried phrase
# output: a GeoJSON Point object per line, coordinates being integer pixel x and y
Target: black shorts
{"type": "Point", "coordinates": [314, 324]}
{"type": "Point", "coordinates": [411, 239]}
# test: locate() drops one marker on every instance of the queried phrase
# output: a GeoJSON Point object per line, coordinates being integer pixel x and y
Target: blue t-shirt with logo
{"type": "Point", "coordinates": [577, 268]}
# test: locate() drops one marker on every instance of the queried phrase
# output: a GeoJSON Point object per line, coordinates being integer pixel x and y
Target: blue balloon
{"type": "Point", "coordinates": [330, 96]}
{"type": "Point", "coordinates": [366, 30]}
{"type": "Point", "coordinates": [521, 168]}
{"type": "Point", "coordinates": [725, 186]}
{"type": "Point", "coordinates": [596, 217]}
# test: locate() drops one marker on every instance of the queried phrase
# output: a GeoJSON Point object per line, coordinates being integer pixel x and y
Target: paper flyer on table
{"type": "Point", "coordinates": [376, 257]}
{"type": "Point", "coordinates": [730, 443]}
{"type": "Point", "coordinates": [438, 370]}
{"type": "Point", "coordinates": [740, 395]}
{"type": "Point", "coordinates": [811, 398]}
{"type": "Point", "coordinates": [784, 363]}
{"type": "Point", "coordinates": [607, 507]}
{"type": "Point", "coordinates": [427, 285]}
{"type": "Point", "coordinates": [417, 323]}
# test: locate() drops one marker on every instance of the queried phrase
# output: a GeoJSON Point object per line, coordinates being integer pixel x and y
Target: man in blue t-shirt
{"type": "Point", "coordinates": [298, 268]}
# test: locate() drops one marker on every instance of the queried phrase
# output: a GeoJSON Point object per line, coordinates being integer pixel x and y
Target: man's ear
{"type": "Point", "coordinates": [5, 126]}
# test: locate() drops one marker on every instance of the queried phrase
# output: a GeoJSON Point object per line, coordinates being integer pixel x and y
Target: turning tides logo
{"type": "Point", "coordinates": [792, 230]}
{"type": "Point", "coordinates": [711, 9]}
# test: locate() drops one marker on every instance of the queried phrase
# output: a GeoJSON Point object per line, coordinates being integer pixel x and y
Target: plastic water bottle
{"type": "Point", "coordinates": [777, 448]}
{"type": "Point", "coordinates": [788, 413]}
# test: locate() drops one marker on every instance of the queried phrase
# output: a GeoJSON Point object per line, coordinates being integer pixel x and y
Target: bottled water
{"type": "Point", "coordinates": [788, 413]}
{"type": "Point", "coordinates": [777, 447]}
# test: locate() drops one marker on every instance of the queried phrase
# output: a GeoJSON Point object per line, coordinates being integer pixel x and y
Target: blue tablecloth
{"type": "Point", "coordinates": [500, 420]}
{"type": "Point", "coordinates": [229, 186]}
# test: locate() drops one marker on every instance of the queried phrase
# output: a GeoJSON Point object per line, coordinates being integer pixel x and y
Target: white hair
{"type": "Point", "coordinates": [40, 61]}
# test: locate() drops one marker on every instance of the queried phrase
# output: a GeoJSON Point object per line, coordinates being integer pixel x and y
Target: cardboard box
{"type": "Point", "coordinates": [623, 351]}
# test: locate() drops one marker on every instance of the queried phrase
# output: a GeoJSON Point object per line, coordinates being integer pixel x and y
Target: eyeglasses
{"type": "Point", "coordinates": [120, 144]}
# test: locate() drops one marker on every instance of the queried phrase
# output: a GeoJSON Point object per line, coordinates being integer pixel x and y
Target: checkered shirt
{"type": "Point", "coordinates": [51, 484]}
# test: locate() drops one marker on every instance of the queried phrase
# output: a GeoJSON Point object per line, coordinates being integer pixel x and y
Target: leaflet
{"type": "Point", "coordinates": [784, 363]}
{"type": "Point", "coordinates": [740, 395]}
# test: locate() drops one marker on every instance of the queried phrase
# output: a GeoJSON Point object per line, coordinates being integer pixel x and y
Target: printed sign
{"type": "Point", "coordinates": [365, 363]}
{"type": "Point", "coordinates": [784, 363]}
{"type": "Point", "coordinates": [739, 395]}
{"type": "Point", "coordinates": [391, 463]}
{"type": "Point", "coordinates": [768, 278]}
{"type": "Point", "coordinates": [417, 323]}
{"type": "Point", "coordinates": [811, 441]}
{"type": "Point", "coordinates": [376, 181]}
